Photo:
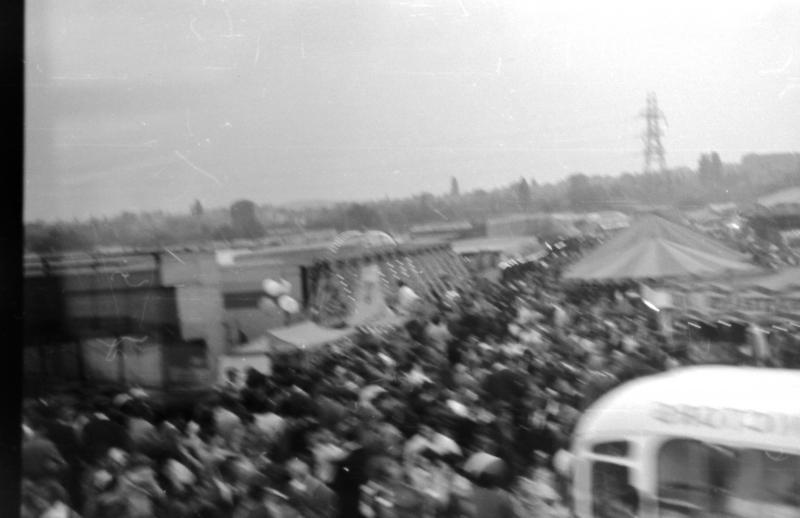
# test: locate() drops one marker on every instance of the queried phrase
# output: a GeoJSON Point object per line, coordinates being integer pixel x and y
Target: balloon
{"type": "Point", "coordinates": [272, 288]}
{"type": "Point", "coordinates": [288, 304]}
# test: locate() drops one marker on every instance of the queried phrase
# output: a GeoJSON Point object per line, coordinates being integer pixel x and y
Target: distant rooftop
{"type": "Point", "coordinates": [790, 196]}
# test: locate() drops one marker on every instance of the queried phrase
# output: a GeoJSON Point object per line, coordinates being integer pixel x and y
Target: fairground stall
{"type": "Point", "coordinates": [662, 262]}
{"type": "Point", "coordinates": [353, 289]}
{"type": "Point", "coordinates": [760, 312]}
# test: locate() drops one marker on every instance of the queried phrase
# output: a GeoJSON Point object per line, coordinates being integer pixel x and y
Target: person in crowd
{"type": "Point", "coordinates": [255, 503]}
{"type": "Point", "coordinates": [138, 488]}
{"type": "Point", "coordinates": [393, 496]}
{"type": "Point", "coordinates": [437, 333]}
{"type": "Point", "coordinates": [407, 298]}
{"type": "Point", "coordinates": [490, 500]}
{"type": "Point", "coordinates": [41, 459]}
{"type": "Point", "coordinates": [327, 453]}
{"type": "Point", "coordinates": [105, 429]}
{"type": "Point", "coordinates": [310, 496]}
{"type": "Point", "coordinates": [351, 474]}
{"type": "Point", "coordinates": [233, 382]}
{"type": "Point", "coordinates": [45, 499]}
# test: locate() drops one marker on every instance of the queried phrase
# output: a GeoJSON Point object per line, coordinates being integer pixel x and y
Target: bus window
{"type": "Point", "coordinates": [612, 494]}
{"type": "Point", "coordinates": [612, 448]}
{"type": "Point", "coordinates": [765, 484]}
{"type": "Point", "coordinates": [700, 479]}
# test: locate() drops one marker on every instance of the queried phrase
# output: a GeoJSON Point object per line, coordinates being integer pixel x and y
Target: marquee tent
{"type": "Point", "coordinates": [656, 248]}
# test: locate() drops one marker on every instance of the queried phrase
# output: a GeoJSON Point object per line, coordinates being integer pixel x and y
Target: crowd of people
{"type": "Point", "coordinates": [467, 411]}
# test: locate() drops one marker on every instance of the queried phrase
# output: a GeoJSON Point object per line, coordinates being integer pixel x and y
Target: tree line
{"type": "Point", "coordinates": [711, 182]}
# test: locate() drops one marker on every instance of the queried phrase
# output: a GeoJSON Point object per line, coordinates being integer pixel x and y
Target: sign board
{"type": "Point", "coordinates": [728, 418]}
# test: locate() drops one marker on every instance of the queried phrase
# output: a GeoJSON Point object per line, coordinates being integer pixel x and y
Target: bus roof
{"type": "Point", "coordinates": [734, 405]}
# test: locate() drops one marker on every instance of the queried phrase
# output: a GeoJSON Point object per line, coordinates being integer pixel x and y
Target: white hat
{"type": "Point", "coordinates": [117, 455]}
{"type": "Point", "coordinates": [101, 479]}
{"type": "Point", "coordinates": [139, 393]}
{"type": "Point", "coordinates": [457, 408]}
{"type": "Point", "coordinates": [179, 474]}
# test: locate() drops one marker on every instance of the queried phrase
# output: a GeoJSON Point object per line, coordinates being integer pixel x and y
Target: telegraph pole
{"type": "Point", "coordinates": [653, 148]}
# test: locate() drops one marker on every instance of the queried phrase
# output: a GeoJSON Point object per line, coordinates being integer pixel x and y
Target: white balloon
{"type": "Point", "coordinates": [288, 304]}
{"type": "Point", "coordinates": [272, 288]}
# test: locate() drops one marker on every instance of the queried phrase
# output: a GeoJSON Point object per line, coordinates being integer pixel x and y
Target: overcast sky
{"type": "Point", "coordinates": [149, 104]}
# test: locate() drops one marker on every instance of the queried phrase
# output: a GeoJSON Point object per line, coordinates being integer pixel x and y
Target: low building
{"type": "Point", "coordinates": [148, 319]}
{"type": "Point", "coordinates": [446, 230]}
{"type": "Point", "coordinates": [163, 319]}
{"type": "Point", "coordinates": [542, 226]}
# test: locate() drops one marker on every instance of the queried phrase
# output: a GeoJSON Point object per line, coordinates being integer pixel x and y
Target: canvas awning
{"type": "Point", "coordinates": [509, 245]}
{"type": "Point", "coordinates": [305, 336]}
{"type": "Point", "coordinates": [309, 336]}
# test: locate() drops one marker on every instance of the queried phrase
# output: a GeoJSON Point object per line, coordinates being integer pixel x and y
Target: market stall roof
{"type": "Point", "coordinates": [306, 335]}
{"type": "Point", "coordinates": [789, 196]}
{"type": "Point", "coordinates": [656, 248]}
{"type": "Point", "coordinates": [511, 245]}
{"type": "Point", "coordinates": [310, 336]}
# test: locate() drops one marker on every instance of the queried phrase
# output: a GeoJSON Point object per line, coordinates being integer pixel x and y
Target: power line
{"type": "Point", "coordinates": [653, 148]}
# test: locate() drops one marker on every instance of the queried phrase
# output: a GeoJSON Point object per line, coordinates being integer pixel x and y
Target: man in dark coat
{"type": "Point", "coordinates": [350, 476]}
{"type": "Point", "coordinates": [65, 438]}
{"type": "Point", "coordinates": [309, 495]}
{"type": "Point", "coordinates": [103, 432]}
{"type": "Point", "coordinates": [40, 457]}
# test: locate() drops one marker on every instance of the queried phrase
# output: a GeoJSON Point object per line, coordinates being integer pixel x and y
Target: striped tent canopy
{"type": "Point", "coordinates": [656, 248]}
